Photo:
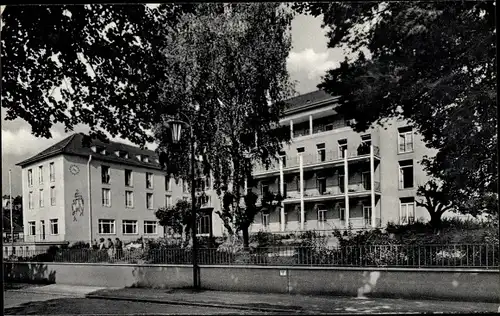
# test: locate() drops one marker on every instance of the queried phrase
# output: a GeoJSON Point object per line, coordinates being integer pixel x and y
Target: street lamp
{"type": "Point", "coordinates": [176, 129]}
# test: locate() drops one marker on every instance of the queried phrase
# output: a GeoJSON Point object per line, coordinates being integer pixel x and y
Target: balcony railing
{"type": "Point", "coordinates": [353, 187]}
{"type": "Point", "coordinates": [317, 158]}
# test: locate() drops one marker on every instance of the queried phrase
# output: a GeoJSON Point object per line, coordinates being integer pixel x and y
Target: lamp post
{"type": "Point", "coordinates": [176, 129]}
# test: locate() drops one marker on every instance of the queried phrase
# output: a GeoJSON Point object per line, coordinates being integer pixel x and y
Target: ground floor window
{"type": "Point", "coordinates": [265, 220]}
{"type": "Point", "coordinates": [321, 218]}
{"type": "Point", "coordinates": [129, 227]}
{"type": "Point", "coordinates": [367, 214]}
{"type": "Point", "coordinates": [107, 226]}
{"type": "Point", "coordinates": [150, 227]}
{"type": "Point", "coordinates": [204, 224]}
{"type": "Point", "coordinates": [407, 211]}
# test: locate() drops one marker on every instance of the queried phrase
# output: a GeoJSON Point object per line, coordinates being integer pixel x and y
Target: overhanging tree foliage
{"type": "Point", "coordinates": [125, 69]}
{"type": "Point", "coordinates": [231, 61]}
{"type": "Point", "coordinates": [107, 60]}
{"type": "Point", "coordinates": [434, 64]}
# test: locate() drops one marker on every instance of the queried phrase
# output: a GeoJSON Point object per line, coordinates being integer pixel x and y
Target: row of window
{"type": "Point", "coordinates": [406, 215]}
{"type": "Point", "coordinates": [203, 184]}
{"type": "Point", "coordinates": [405, 145]}
{"type": "Point", "coordinates": [54, 227]}
{"type": "Point", "coordinates": [41, 172]}
{"type": "Point", "coordinates": [129, 199]}
{"type": "Point", "coordinates": [129, 227]}
{"type": "Point", "coordinates": [121, 153]}
{"type": "Point", "coordinates": [41, 198]}
{"type": "Point", "coordinates": [406, 179]}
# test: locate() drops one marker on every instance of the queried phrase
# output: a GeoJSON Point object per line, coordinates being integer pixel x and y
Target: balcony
{"type": "Point", "coordinates": [319, 159]}
{"type": "Point", "coordinates": [313, 193]}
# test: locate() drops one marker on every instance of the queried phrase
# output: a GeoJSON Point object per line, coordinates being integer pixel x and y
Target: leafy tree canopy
{"type": "Point", "coordinates": [434, 64]}
{"type": "Point", "coordinates": [108, 60]}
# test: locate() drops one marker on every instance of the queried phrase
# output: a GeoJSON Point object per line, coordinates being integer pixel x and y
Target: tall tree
{"type": "Point", "coordinates": [434, 64]}
{"type": "Point", "coordinates": [106, 59]}
{"type": "Point", "coordinates": [230, 59]}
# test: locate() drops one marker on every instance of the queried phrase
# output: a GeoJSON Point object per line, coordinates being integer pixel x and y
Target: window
{"type": "Point", "coordinates": [52, 172]}
{"type": "Point", "coordinates": [129, 199]}
{"type": "Point", "coordinates": [40, 198]}
{"type": "Point", "coordinates": [367, 214]}
{"type": "Point", "coordinates": [365, 176]}
{"type": "Point", "coordinates": [406, 174]}
{"type": "Point", "coordinates": [364, 147]}
{"type": "Point", "coordinates": [128, 178]}
{"type": "Point", "coordinates": [168, 201]}
{"type": "Point", "coordinates": [285, 190]}
{"type": "Point", "coordinates": [341, 182]}
{"type": "Point", "coordinates": [321, 217]}
{"type": "Point", "coordinates": [149, 180]}
{"type": "Point", "coordinates": [105, 174]}
{"type": "Point", "coordinates": [283, 159]}
{"type": "Point", "coordinates": [52, 195]}
{"type": "Point", "coordinates": [31, 228]}
{"type": "Point", "coordinates": [405, 140]}
{"type": "Point", "coordinates": [149, 201]}
{"type": "Point", "coordinates": [129, 227]}
{"type": "Point", "coordinates": [321, 185]}
{"type": "Point", "coordinates": [168, 186]}
{"type": "Point", "coordinates": [342, 148]}
{"type": "Point", "coordinates": [203, 225]}
{"type": "Point", "coordinates": [40, 174]}
{"type": "Point", "coordinates": [106, 197]}
{"type": "Point", "coordinates": [30, 201]}
{"type": "Point", "coordinates": [407, 211]}
{"type": "Point", "coordinates": [106, 226]}
{"type": "Point", "coordinates": [150, 227]}
{"type": "Point", "coordinates": [265, 189]}
{"type": "Point", "coordinates": [121, 154]}
{"type": "Point", "coordinates": [300, 151]}
{"type": "Point", "coordinates": [208, 183]}
{"type": "Point", "coordinates": [145, 158]}
{"type": "Point", "coordinates": [54, 226]}
{"type": "Point", "coordinates": [30, 177]}
{"type": "Point", "coordinates": [342, 213]}
{"type": "Point", "coordinates": [42, 227]}
{"type": "Point", "coordinates": [265, 220]}
{"type": "Point", "coordinates": [321, 152]}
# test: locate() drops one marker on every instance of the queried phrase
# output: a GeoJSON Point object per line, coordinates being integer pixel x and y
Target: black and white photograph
{"type": "Point", "coordinates": [250, 158]}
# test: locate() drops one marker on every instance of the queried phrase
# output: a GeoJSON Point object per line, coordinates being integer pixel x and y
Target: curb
{"type": "Point", "coordinates": [202, 304]}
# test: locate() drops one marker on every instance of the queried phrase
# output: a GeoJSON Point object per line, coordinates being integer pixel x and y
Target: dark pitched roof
{"type": "Point", "coordinates": [309, 100]}
{"type": "Point", "coordinates": [75, 145]}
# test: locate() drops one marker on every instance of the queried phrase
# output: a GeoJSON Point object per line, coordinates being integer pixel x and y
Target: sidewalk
{"type": "Point", "coordinates": [284, 303]}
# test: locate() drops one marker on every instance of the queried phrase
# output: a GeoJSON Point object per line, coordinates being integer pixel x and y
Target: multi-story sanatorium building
{"type": "Point", "coordinates": [80, 191]}
{"type": "Point", "coordinates": [332, 176]}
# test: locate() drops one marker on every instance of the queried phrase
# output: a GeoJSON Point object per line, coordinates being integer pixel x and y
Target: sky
{"type": "Point", "coordinates": [307, 62]}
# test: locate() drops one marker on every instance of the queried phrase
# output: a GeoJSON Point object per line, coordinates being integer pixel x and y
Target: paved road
{"type": "Point", "coordinates": [18, 303]}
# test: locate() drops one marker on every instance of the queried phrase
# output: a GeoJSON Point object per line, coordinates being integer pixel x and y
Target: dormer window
{"type": "Point", "coordinates": [145, 158]}
{"type": "Point", "coordinates": [139, 157]}
{"type": "Point", "coordinates": [99, 149]}
{"type": "Point", "coordinates": [121, 154]}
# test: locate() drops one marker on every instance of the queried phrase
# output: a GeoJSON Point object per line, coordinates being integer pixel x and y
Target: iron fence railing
{"type": "Point", "coordinates": [417, 256]}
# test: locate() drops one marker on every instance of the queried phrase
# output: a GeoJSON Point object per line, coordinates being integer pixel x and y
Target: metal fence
{"type": "Point", "coordinates": [428, 256]}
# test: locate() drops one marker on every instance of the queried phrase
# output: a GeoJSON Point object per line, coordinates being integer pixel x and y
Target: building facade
{"type": "Point", "coordinates": [83, 190]}
{"type": "Point", "coordinates": [333, 177]}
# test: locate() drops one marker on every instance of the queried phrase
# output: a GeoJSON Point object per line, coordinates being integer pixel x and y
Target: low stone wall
{"type": "Point", "coordinates": [450, 284]}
